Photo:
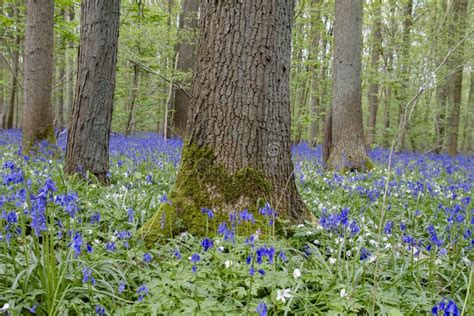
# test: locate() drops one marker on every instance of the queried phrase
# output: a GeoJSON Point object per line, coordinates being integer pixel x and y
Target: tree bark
{"type": "Point", "coordinates": [38, 114]}
{"type": "Point", "coordinates": [373, 93]}
{"type": "Point", "coordinates": [71, 68]}
{"type": "Point", "coordinates": [188, 24]}
{"type": "Point", "coordinates": [14, 78]}
{"type": "Point", "coordinates": [133, 97]}
{"type": "Point", "coordinates": [347, 150]}
{"type": "Point", "coordinates": [469, 124]}
{"type": "Point", "coordinates": [315, 84]}
{"type": "Point", "coordinates": [88, 138]}
{"type": "Point", "coordinates": [2, 115]}
{"type": "Point", "coordinates": [237, 150]}
{"type": "Point", "coordinates": [457, 63]}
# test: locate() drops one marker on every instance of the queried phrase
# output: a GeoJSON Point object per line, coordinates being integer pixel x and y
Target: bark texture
{"type": "Point", "coordinates": [347, 150]}
{"type": "Point", "coordinates": [14, 78]}
{"type": "Point", "coordinates": [38, 114]}
{"type": "Point", "coordinates": [133, 98]}
{"type": "Point", "coordinates": [88, 138]}
{"type": "Point", "coordinates": [237, 151]}
{"type": "Point", "coordinates": [373, 93]}
{"type": "Point", "coordinates": [188, 24]}
{"type": "Point", "coordinates": [457, 63]}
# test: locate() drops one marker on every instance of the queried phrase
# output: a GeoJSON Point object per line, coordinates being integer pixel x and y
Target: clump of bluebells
{"type": "Point", "coordinates": [77, 242]}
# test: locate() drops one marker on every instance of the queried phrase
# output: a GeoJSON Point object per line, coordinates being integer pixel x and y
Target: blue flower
{"type": "Point", "coordinates": [251, 271]}
{"type": "Point", "coordinates": [95, 218]}
{"type": "Point", "coordinates": [207, 244]}
{"type": "Point", "coordinates": [261, 271]}
{"type": "Point", "coordinates": [130, 214]}
{"type": "Point", "coordinates": [222, 228]}
{"type": "Point", "coordinates": [195, 258]}
{"type": "Point", "coordinates": [147, 257]}
{"type": "Point", "coordinates": [354, 228]}
{"type": "Point", "coordinates": [164, 199]}
{"type": "Point", "coordinates": [177, 254]}
{"type": "Point", "coordinates": [447, 306]}
{"type": "Point", "coordinates": [100, 310]}
{"type": "Point", "coordinates": [87, 276]}
{"type": "Point", "coordinates": [142, 291]}
{"type": "Point", "coordinates": [110, 246]}
{"type": "Point", "coordinates": [121, 287]}
{"type": "Point", "coordinates": [364, 254]}
{"type": "Point", "coordinates": [388, 228]}
{"type": "Point", "coordinates": [77, 244]}
{"type": "Point", "coordinates": [262, 309]}
{"type": "Point", "coordinates": [89, 248]}
{"type": "Point", "coordinates": [282, 256]}
{"type": "Point", "coordinates": [246, 216]}
{"type": "Point", "coordinates": [32, 309]}
{"type": "Point", "coordinates": [208, 212]}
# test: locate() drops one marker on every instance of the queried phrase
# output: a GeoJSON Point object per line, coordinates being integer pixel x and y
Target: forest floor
{"type": "Point", "coordinates": [68, 247]}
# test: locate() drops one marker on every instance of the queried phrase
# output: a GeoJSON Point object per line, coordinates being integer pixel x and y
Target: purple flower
{"type": "Point", "coordinates": [364, 254]}
{"type": "Point", "coordinates": [147, 257]}
{"type": "Point", "coordinates": [388, 228]}
{"type": "Point", "coordinates": [207, 244]}
{"type": "Point", "coordinates": [110, 246]}
{"type": "Point", "coordinates": [121, 287]}
{"type": "Point", "coordinates": [142, 291]}
{"type": "Point", "coordinates": [130, 214]}
{"type": "Point", "coordinates": [77, 244]}
{"type": "Point", "coordinates": [32, 309]}
{"type": "Point", "coordinates": [262, 309]}
{"type": "Point", "coordinates": [177, 254]}
{"type": "Point", "coordinates": [208, 212]}
{"type": "Point", "coordinates": [100, 310]}
{"type": "Point", "coordinates": [95, 218]}
{"type": "Point", "coordinates": [87, 276]}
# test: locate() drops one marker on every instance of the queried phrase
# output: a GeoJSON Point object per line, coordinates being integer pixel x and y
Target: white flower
{"type": "Point", "coordinates": [89, 231]}
{"type": "Point", "coordinates": [309, 233]}
{"type": "Point", "coordinates": [228, 263]}
{"type": "Point", "coordinates": [300, 225]}
{"type": "Point", "coordinates": [220, 248]}
{"type": "Point", "coordinates": [332, 260]}
{"type": "Point", "coordinates": [316, 242]}
{"type": "Point", "coordinates": [97, 241]}
{"type": "Point", "coordinates": [438, 261]}
{"type": "Point", "coordinates": [5, 307]}
{"type": "Point", "coordinates": [282, 295]}
{"type": "Point", "coordinates": [113, 238]}
{"type": "Point", "coordinates": [296, 273]}
{"type": "Point", "coordinates": [339, 240]}
{"type": "Point", "coordinates": [371, 259]}
{"type": "Point", "coordinates": [343, 293]}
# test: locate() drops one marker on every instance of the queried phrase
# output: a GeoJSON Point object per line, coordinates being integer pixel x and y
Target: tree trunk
{"type": "Point", "coordinates": [1, 92]}
{"type": "Point", "coordinates": [38, 113]}
{"type": "Point", "coordinates": [88, 138]}
{"type": "Point", "coordinates": [315, 84]}
{"type": "Point", "coordinates": [133, 97]}
{"type": "Point", "coordinates": [14, 78]}
{"type": "Point", "coordinates": [59, 121]}
{"type": "Point", "coordinates": [373, 93]}
{"type": "Point", "coordinates": [188, 23]}
{"type": "Point", "coordinates": [469, 126]}
{"type": "Point", "coordinates": [457, 63]}
{"type": "Point", "coordinates": [71, 68]}
{"type": "Point", "coordinates": [347, 149]}
{"type": "Point", "coordinates": [237, 151]}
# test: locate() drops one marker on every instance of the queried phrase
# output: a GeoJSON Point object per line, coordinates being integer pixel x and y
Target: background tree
{"type": "Point", "coordinates": [238, 146]}
{"type": "Point", "coordinates": [185, 52]}
{"type": "Point", "coordinates": [347, 148]}
{"type": "Point", "coordinates": [88, 137]}
{"type": "Point", "coordinates": [38, 114]}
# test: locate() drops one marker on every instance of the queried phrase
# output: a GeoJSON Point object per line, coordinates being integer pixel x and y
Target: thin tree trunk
{"type": "Point", "coordinates": [2, 115]}
{"type": "Point", "coordinates": [315, 84]}
{"type": "Point", "coordinates": [14, 77]}
{"type": "Point", "coordinates": [133, 97]}
{"type": "Point", "coordinates": [388, 102]}
{"type": "Point", "coordinates": [469, 122]}
{"type": "Point", "coordinates": [71, 69]}
{"type": "Point", "coordinates": [60, 96]}
{"type": "Point", "coordinates": [457, 62]}
{"type": "Point", "coordinates": [347, 151]}
{"type": "Point", "coordinates": [88, 138]}
{"type": "Point", "coordinates": [237, 151]}
{"type": "Point", "coordinates": [38, 113]}
{"type": "Point", "coordinates": [185, 50]}
{"type": "Point", "coordinates": [373, 93]}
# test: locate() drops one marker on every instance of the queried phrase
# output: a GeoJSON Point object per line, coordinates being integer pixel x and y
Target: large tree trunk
{"type": "Point", "coordinates": [88, 138]}
{"type": "Point", "coordinates": [38, 114]}
{"type": "Point", "coordinates": [373, 93]}
{"type": "Point", "coordinates": [347, 149]}
{"type": "Point", "coordinates": [188, 23]}
{"type": "Point", "coordinates": [237, 150]}
{"type": "Point", "coordinates": [456, 62]}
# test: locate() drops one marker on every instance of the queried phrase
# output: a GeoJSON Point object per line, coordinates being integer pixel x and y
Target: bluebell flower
{"type": "Point", "coordinates": [147, 257]}
{"type": "Point", "coordinates": [207, 244]}
{"type": "Point", "coordinates": [354, 228]}
{"type": "Point", "coordinates": [124, 234]}
{"type": "Point", "coordinates": [403, 227]}
{"type": "Point", "coordinates": [130, 214]}
{"type": "Point", "coordinates": [177, 254]}
{"type": "Point", "coordinates": [77, 244]}
{"type": "Point", "coordinates": [246, 216]}
{"type": "Point", "coordinates": [282, 256]}
{"type": "Point", "coordinates": [110, 246]}
{"type": "Point", "coordinates": [89, 248]}
{"type": "Point", "coordinates": [142, 291]}
{"type": "Point", "coordinates": [95, 218]}
{"type": "Point", "coordinates": [262, 309]}
{"type": "Point", "coordinates": [87, 276]}
{"type": "Point", "coordinates": [222, 228]}
{"type": "Point", "coordinates": [364, 254]}
{"type": "Point", "coordinates": [100, 310]}
{"type": "Point", "coordinates": [33, 308]}
{"type": "Point", "coordinates": [447, 306]}
{"type": "Point", "coordinates": [208, 212]}
{"type": "Point", "coordinates": [164, 199]}
{"type": "Point", "coordinates": [149, 178]}
{"type": "Point", "coordinates": [121, 287]}
{"type": "Point", "coordinates": [261, 271]}
{"type": "Point", "coordinates": [251, 271]}
{"type": "Point", "coordinates": [195, 258]}
{"type": "Point", "coordinates": [248, 259]}
{"type": "Point", "coordinates": [388, 228]}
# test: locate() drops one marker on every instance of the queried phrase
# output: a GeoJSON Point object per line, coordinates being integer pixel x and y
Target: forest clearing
{"type": "Point", "coordinates": [252, 157]}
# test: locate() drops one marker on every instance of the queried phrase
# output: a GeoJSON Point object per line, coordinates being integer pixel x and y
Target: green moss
{"type": "Point", "coordinates": [203, 182]}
